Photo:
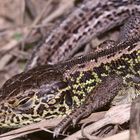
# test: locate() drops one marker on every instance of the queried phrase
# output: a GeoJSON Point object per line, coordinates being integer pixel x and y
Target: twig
{"type": "Point", "coordinates": [120, 136]}
{"type": "Point", "coordinates": [36, 21]}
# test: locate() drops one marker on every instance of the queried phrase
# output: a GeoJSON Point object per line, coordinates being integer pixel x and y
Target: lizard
{"type": "Point", "coordinates": [88, 20]}
{"type": "Point", "coordinates": [97, 97]}
{"type": "Point", "coordinates": [50, 91]}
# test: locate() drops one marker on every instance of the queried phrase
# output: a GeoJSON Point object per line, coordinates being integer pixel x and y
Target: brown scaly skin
{"type": "Point", "coordinates": [55, 90]}
{"type": "Point", "coordinates": [85, 22]}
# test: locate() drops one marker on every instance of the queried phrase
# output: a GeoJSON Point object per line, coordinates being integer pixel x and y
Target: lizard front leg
{"type": "Point", "coordinates": [98, 98]}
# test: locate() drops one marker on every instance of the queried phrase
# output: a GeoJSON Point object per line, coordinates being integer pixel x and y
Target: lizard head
{"type": "Point", "coordinates": [31, 105]}
{"type": "Point", "coordinates": [19, 110]}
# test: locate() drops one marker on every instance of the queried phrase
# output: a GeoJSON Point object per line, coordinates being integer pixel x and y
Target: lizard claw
{"type": "Point", "coordinates": [56, 132]}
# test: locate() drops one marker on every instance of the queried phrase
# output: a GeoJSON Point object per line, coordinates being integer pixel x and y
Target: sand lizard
{"type": "Point", "coordinates": [55, 90]}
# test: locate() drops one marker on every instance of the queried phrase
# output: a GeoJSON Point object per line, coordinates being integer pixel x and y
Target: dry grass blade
{"type": "Point", "coordinates": [135, 120]}
{"type": "Point", "coordinates": [116, 115]}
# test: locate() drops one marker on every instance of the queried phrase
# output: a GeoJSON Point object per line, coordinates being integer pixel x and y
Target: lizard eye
{"type": "Point", "coordinates": [24, 104]}
{"type": "Point", "coordinates": [24, 101]}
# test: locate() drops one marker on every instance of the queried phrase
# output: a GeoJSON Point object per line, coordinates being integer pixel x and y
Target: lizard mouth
{"type": "Point", "coordinates": [13, 118]}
